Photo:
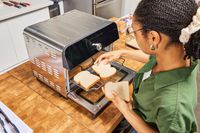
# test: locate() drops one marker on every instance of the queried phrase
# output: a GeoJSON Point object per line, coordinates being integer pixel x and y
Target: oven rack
{"type": "Point", "coordinates": [99, 84]}
{"type": "Point", "coordinates": [95, 87]}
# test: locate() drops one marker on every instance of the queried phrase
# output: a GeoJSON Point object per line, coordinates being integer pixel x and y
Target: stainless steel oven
{"type": "Point", "coordinates": [60, 47]}
{"type": "Point", "coordinates": [102, 8]}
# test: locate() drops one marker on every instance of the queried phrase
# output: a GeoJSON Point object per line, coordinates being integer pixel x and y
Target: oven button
{"type": "Point", "coordinates": [98, 46]}
{"type": "Point", "coordinates": [100, 105]}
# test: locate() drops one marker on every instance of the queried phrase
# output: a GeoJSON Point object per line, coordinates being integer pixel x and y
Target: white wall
{"type": "Point", "coordinates": [129, 6]}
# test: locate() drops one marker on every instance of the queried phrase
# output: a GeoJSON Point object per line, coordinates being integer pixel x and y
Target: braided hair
{"type": "Point", "coordinates": [170, 17]}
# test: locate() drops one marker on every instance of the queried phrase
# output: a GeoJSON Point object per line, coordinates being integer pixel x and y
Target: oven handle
{"type": "Point", "coordinates": [105, 3]}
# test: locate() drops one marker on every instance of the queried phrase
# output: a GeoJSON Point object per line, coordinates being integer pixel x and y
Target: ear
{"type": "Point", "coordinates": [154, 38]}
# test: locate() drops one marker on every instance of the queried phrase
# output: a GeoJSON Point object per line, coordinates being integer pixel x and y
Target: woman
{"type": "Point", "coordinates": [165, 90]}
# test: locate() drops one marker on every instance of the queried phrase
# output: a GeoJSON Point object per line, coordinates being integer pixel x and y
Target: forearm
{"type": "Point", "coordinates": [135, 55]}
{"type": "Point", "coordinates": [138, 123]}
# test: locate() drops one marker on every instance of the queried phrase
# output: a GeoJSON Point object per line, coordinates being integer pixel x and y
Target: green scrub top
{"type": "Point", "coordinates": [167, 100]}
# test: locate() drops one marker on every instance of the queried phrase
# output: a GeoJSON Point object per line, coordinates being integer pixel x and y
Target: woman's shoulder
{"type": "Point", "coordinates": [184, 92]}
{"type": "Point", "coordinates": [175, 108]}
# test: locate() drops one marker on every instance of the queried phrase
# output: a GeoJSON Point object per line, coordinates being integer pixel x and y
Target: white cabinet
{"type": "Point", "coordinates": [129, 6]}
{"type": "Point", "coordinates": [17, 25]}
{"type": "Point", "coordinates": [12, 46]}
{"type": "Point", "coordinates": [7, 51]}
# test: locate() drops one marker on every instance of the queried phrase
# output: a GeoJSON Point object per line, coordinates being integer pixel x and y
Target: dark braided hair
{"type": "Point", "coordinates": [170, 17]}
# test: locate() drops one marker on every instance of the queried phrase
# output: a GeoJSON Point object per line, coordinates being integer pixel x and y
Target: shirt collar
{"type": "Point", "coordinates": [167, 78]}
{"type": "Point", "coordinates": [149, 65]}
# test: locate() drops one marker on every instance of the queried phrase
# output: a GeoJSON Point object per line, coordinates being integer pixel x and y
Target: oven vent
{"type": "Point", "coordinates": [53, 55]}
{"type": "Point", "coordinates": [52, 84]}
{"type": "Point", "coordinates": [46, 80]}
{"type": "Point", "coordinates": [43, 66]}
{"type": "Point", "coordinates": [40, 77]}
{"type": "Point", "coordinates": [37, 61]}
{"type": "Point", "coordinates": [46, 51]}
{"type": "Point", "coordinates": [49, 70]}
{"type": "Point", "coordinates": [56, 73]}
{"type": "Point", "coordinates": [58, 88]}
{"type": "Point", "coordinates": [35, 73]}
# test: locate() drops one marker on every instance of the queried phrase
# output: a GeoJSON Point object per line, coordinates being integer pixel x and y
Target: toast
{"type": "Point", "coordinates": [121, 88]}
{"type": "Point", "coordinates": [104, 70]}
{"type": "Point", "coordinates": [79, 76]}
{"type": "Point", "coordinates": [86, 79]}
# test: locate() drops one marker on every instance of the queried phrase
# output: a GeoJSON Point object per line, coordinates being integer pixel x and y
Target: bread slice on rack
{"type": "Point", "coordinates": [80, 76]}
{"type": "Point", "coordinates": [86, 79]}
{"type": "Point", "coordinates": [89, 81]}
{"type": "Point", "coordinates": [121, 88]}
{"type": "Point", "coordinates": [104, 70]}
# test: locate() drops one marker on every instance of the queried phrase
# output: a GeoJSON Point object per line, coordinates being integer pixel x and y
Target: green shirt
{"type": "Point", "coordinates": [167, 100]}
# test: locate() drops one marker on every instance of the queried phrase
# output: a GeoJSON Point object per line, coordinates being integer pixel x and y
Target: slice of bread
{"type": "Point", "coordinates": [108, 73]}
{"type": "Point", "coordinates": [86, 79]}
{"type": "Point", "coordinates": [98, 68]}
{"type": "Point", "coordinates": [104, 70]}
{"type": "Point", "coordinates": [121, 88]}
{"type": "Point", "coordinates": [86, 63]}
{"type": "Point", "coordinates": [108, 89]}
{"type": "Point", "coordinates": [80, 76]}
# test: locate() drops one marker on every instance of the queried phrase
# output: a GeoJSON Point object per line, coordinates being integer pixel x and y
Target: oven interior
{"type": "Point", "coordinates": [95, 93]}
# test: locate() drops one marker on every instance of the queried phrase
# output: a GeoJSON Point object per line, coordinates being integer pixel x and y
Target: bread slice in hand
{"type": "Point", "coordinates": [86, 79]}
{"type": "Point", "coordinates": [104, 70]}
{"type": "Point", "coordinates": [121, 88]}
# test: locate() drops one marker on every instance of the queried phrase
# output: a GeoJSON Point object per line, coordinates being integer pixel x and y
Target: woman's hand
{"type": "Point", "coordinates": [123, 106]}
{"type": "Point", "coordinates": [109, 56]}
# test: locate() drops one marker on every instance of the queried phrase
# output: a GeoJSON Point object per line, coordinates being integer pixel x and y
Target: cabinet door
{"type": "Point", "coordinates": [7, 51]}
{"type": "Point", "coordinates": [17, 26]}
{"type": "Point", "coordinates": [129, 6]}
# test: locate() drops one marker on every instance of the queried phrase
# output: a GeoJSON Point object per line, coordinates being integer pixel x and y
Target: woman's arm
{"type": "Point", "coordinates": [138, 55]}
{"type": "Point", "coordinates": [126, 109]}
{"type": "Point", "coordinates": [138, 124]}
{"type": "Point", "coordinates": [131, 54]}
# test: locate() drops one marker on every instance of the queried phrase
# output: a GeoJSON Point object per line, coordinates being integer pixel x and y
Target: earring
{"type": "Point", "coordinates": [152, 47]}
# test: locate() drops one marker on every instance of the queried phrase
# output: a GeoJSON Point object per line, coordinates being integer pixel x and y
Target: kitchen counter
{"type": "Point", "coordinates": [7, 12]}
{"type": "Point", "coordinates": [44, 110]}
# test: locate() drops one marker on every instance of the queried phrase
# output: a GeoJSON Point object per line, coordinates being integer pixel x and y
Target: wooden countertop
{"type": "Point", "coordinates": [44, 110]}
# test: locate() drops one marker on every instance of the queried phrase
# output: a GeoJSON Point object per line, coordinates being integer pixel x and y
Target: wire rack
{"type": "Point", "coordinates": [99, 84]}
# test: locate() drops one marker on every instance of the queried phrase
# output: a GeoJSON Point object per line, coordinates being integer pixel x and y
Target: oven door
{"type": "Point", "coordinates": [94, 100]}
{"type": "Point", "coordinates": [108, 8]}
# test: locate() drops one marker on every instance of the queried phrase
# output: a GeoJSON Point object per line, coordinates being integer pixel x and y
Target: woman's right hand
{"type": "Point", "coordinates": [109, 56]}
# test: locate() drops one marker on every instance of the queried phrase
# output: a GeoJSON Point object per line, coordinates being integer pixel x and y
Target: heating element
{"type": "Point", "coordinates": [59, 48]}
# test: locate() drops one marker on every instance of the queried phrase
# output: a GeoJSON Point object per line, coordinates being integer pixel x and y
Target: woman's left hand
{"type": "Point", "coordinates": [123, 106]}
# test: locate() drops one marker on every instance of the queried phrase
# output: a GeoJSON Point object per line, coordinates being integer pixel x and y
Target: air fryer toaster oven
{"type": "Point", "coordinates": [59, 46]}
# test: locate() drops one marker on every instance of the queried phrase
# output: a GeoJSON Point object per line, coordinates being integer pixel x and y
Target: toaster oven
{"type": "Point", "coordinates": [62, 46]}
